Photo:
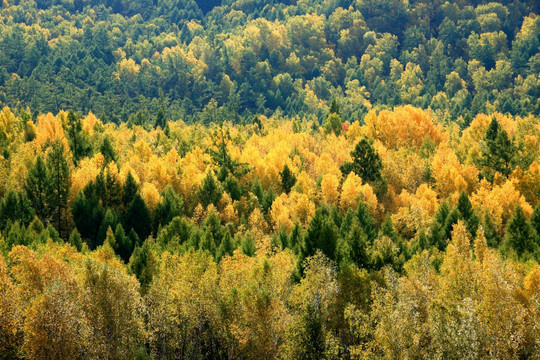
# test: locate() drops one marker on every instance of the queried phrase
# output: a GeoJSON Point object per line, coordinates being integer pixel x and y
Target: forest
{"type": "Point", "coordinates": [247, 179]}
{"type": "Point", "coordinates": [127, 60]}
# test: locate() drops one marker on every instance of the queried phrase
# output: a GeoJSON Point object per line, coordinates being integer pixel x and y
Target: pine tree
{"type": "Point", "coordinates": [248, 245]}
{"type": "Point", "coordinates": [110, 220]}
{"type": "Point", "coordinates": [129, 190]}
{"type": "Point", "coordinates": [333, 124]}
{"type": "Point", "coordinates": [168, 208]}
{"type": "Point", "coordinates": [78, 142]}
{"type": "Point", "coordinates": [334, 108]}
{"type": "Point", "coordinates": [498, 153]}
{"type": "Point", "coordinates": [366, 162]}
{"type": "Point", "coordinates": [353, 248]}
{"type": "Point", "coordinates": [160, 119]}
{"type": "Point", "coordinates": [124, 244]}
{"type": "Point", "coordinates": [142, 264]}
{"type": "Point", "coordinates": [221, 157]}
{"type": "Point", "coordinates": [210, 191]}
{"type": "Point", "coordinates": [225, 248]}
{"type": "Point", "coordinates": [287, 179]}
{"type": "Point", "coordinates": [535, 221]}
{"type": "Point", "coordinates": [464, 207]}
{"type": "Point", "coordinates": [490, 231]}
{"type": "Point", "coordinates": [75, 239]}
{"type": "Point", "coordinates": [15, 207]}
{"type": "Point", "coordinates": [519, 235]}
{"type": "Point", "coordinates": [321, 234]}
{"type": "Point", "coordinates": [37, 188]}
{"type": "Point", "coordinates": [438, 235]}
{"type": "Point", "coordinates": [107, 150]}
{"type": "Point", "coordinates": [59, 184]}
{"type": "Point", "coordinates": [88, 215]}
{"type": "Point", "coordinates": [366, 221]}
{"type": "Point", "coordinates": [138, 218]}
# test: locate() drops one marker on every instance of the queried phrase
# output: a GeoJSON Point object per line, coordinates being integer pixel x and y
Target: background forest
{"type": "Point", "coordinates": [262, 180]}
{"type": "Point", "coordinates": [126, 60]}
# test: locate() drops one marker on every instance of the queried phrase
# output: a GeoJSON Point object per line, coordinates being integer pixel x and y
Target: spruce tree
{"type": "Point", "coordinates": [519, 235]}
{"type": "Point", "coordinates": [78, 142]}
{"type": "Point", "coordinates": [168, 208]}
{"type": "Point", "coordinates": [138, 218]}
{"type": "Point", "coordinates": [75, 239]}
{"type": "Point", "coordinates": [142, 264]}
{"type": "Point", "coordinates": [129, 190]}
{"type": "Point", "coordinates": [366, 162]}
{"type": "Point", "coordinates": [37, 188]}
{"type": "Point", "coordinates": [15, 207]}
{"type": "Point", "coordinates": [59, 184]}
{"type": "Point", "coordinates": [107, 150]}
{"type": "Point", "coordinates": [287, 179]}
{"type": "Point", "coordinates": [210, 191]}
{"type": "Point", "coordinates": [498, 152]}
{"type": "Point", "coordinates": [466, 211]}
{"type": "Point", "coordinates": [321, 234]}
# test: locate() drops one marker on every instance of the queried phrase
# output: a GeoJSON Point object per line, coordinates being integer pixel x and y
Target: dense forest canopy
{"type": "Point", "coordinates": [401, 237]}
{"type": "Point", "coordinates": [248, 179]}
{"type": "Point", "coordinates": [125, 60]}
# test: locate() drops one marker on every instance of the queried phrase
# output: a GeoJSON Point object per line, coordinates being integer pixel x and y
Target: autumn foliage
{"type": "Point", "coordinates": [399, 237]}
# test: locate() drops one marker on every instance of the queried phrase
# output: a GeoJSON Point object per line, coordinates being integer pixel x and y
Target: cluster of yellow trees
{"type": "Point", "coordinates": [274, 251]}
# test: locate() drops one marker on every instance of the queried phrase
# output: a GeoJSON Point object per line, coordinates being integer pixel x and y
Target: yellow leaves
{"type": "Point", "coordinates": [450, 176]}
{"type": "Point", "coordinates": [416, 211]}
{"type": "Point", "coordinates": [353, 192]}
{"type": "Point", "coordinates": [8, 128]}
{"type": "Point", "coordinates": [128, 70]}
{"type": "Point", "coordinates": [143, 150]}
{"type": "Point", "coordinates": [289, 210]}
{"type": "Point", "coordinates": [531, 283]}
{"type": "Point", "coordinates": [330, 189]}
{"type": "Point", "coordinates": [470, 142]}
{"type": "Point", "coordinates": [499, 202]}
{"type": "Point", "coordinates": [404, 126]}
{"type": "Point", "coordinates": [89, 122]}
{"type": "Point", "coordinates": [10, 316]}
{"type": "Point", "coordinates": [150, 195]}
{"type": "Point", "coordinates": [256, 292]}
{"type": "Point", "coordinates": [49, 128]}
{"type": "Point", "coordinates": [303, 208]}
{"type": "Point", "coordinates": [87, 171]}
{"type": "Point", "coordinates": [228, 213]}
{"type": "Point", "coordinates": [480, 245]}
{"type": "Point", "coordinates": [257, 222]}
{"type": "Point", "coordinates": [528, 183]}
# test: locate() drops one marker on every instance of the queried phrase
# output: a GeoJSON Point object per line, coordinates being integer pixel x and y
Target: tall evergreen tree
{"type": "Point", "coordinates": [287, 179]}
{"type": "Point", "coordinates": [519, 235]}
{"type": "Point", "coordinates": [366, 162]}
{"type": "Point", "coordinates": [37, 188]}
{"type": "Point", "coordinates": [498, 152]}
{"type": "Point", "coordinates": [321, 234]}
{"type": "Point", "coordinates": [107, 150]}
{"type": "Point", "coordinates": [78, 142]}
{"type": "Point", "coordinates": [59, 184]}
{"type": "Point", "coordinates": [138, 218]}
{"type": "Point", "coordinates": [15, 207]}
{"type": "Point", "coordinates": [130, 189]}
{"type": "Point", "coordinates": [210, 191]}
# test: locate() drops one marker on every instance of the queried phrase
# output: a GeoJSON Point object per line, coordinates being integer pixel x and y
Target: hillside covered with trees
{"type": "Point", "coordinates": [269, 180]}
{"type": "Point", "coordinates": [127, 60]}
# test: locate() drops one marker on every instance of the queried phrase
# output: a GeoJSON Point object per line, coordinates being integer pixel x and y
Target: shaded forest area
{"type": "Point", "coordinates": [127, 60]}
